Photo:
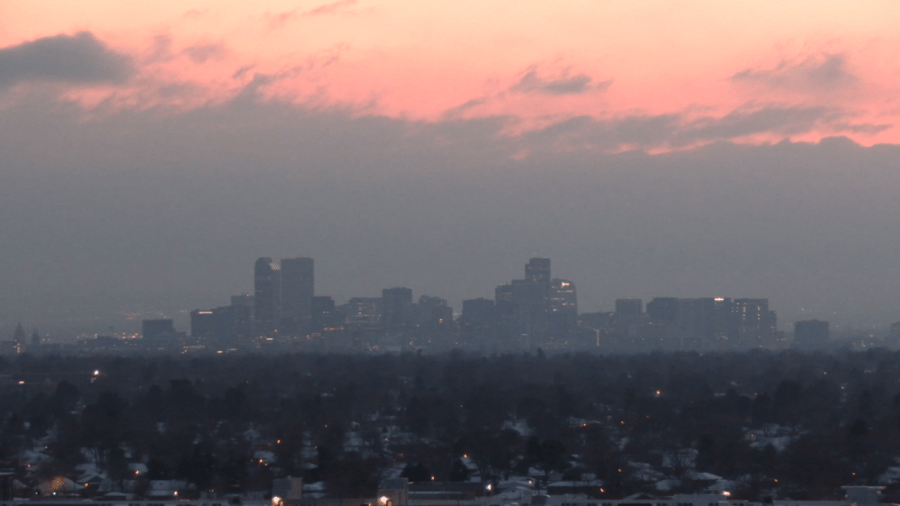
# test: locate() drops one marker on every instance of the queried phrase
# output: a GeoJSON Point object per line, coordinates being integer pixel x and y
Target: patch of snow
{"type": "Point", "coordinates": [889, 476]}
{"type": "Point", "coordinates": [666, 485]}
{"type": "Point", "coordinates": [520, 426]}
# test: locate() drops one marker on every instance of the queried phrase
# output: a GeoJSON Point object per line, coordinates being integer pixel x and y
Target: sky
{"type": "Point", "coordinates": [150, 152]}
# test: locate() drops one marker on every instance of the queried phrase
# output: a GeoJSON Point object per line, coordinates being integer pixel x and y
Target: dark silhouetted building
{"type": "Point", "coordinates": [563, 303]}
{"type": "Point", "coordinates": [478, 311]}
{"type": "Point", "coordinates": [433, 313]}
{"type": "Point", "coordinates": [297, 290]}
{"type": "Point", "coordinates": [537, 271]}
{"type": "Point", "coordinates": [227, 325]}
{"type": "Point", "coordinates": [663, 309]}
{"type": "Point", "coordinates": [324, 313]}
{"type": "Point", "coordinates": [204, 323]}
{"type": "Point", "coordinates": [266, 296]}
{"type": "Point", "coordinates": [523, 307]}
{"type": "Point", "coordinates": [629, 307]}
{"type": "Point", "coordinates": [396, 308]}
{"type": "Point", "coordinates": [754, 324]}
{"type": "Point", "coordinates": [478, 321]}
{"type": "Point", "coordinates": [629, 316]}
{"type": "Point", "coordinates": [363, 312]}
{"type": "Point", "coordinates": [152, 329]}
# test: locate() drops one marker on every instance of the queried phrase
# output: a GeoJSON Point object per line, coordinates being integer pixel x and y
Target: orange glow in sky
{"type": "Point", "coordinates": [538, 62]}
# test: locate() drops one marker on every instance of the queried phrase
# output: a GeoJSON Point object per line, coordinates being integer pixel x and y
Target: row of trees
{"type": "Point", "coordinates": [347, 420]}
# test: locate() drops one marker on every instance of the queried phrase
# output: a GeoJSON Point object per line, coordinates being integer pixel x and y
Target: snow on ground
{"type": "Point", "coordinates": [520, 426]}
{"type": "Point", "coordinates": [771, 434]}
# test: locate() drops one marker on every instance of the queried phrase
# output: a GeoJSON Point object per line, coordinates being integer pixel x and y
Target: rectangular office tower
{"type": "Point", "coordinates": [266, 296]}
{"type": "Point", "coordinates": [297, 290]}
{"type": "Point", "coordinates": [537, 270]}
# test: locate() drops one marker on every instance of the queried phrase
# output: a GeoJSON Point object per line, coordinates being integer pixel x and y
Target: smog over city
{"type": "Point", "coordinates": [330, 223]}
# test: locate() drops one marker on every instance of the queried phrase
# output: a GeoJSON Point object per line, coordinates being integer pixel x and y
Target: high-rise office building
{"type": "Point", "coordinates": [537, 270]}
{"type": "Point", "coordinates": [204, 323]}
{"type": "Point", "coordinates": [663, 309]}
{"type": "Point", "coordinates": [705, 322]}
{"type": "Point", "coordinates": [362, 312]}
{"type": "Point", "coordinates": [227, 324]}
{"type": "Point", "coordinates": [629, 316]}
{"type": "Point", "coordinates": [478, 312]}
{"type": "Point", "coordinates": [503, 300]}
{"type": "Point", "coordinates": [241, 313]}
{"type": "Point", "coordinates": [522, 307]}
{"type": "Point", "coordinates": [478, 322]}
{"type": "Point", "coordinates": [152, 329]}
{"type": "Point", "coordinates": [397, 308]}
{"type": "Point", "coordinates": [297, 290]}
{"type": "Point", "coordinates": [754, 324]}
{"type": "Point", "coordinates": [433, 312]}
{"type": "Point", "coordinates": [324, 313]}
{"type": "Point", "coordinates": [563, 296]}
{"type": "Point", "coordinates": [563, 303]}
{"type": "Point", "coordinates": [266, 296]}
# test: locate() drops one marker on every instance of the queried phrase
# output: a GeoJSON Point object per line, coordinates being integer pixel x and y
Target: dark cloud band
{"type": "Point", "coordinates": [564, 84]}
{"type": "Point", "coordinates": [79, 59]}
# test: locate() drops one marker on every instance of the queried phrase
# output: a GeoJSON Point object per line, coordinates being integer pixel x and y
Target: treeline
{"type": "Point", "coordinates": [786, 424]}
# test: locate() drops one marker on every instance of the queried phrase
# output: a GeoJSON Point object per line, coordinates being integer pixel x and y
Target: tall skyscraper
{"type": "Point", "coordinates": [433, 312]}
{"type": "Point", "coordinates": [629, 316]}
{"type": "Point", "coordinates": [755, 324]}
{"type": "Point", "coordinates": [324, 313]}
{"type": "Point", "coordinates": [537, 270]}
{"type": "Point", "coordinates": [266, 296]}
{"type": "Point", "coordinates": [397, 308]}
{"type": "Point", "coordinates": [478, 312]}
{"type": "Point", "coordinates": [478, 322]}
{"type": "Point", "coordinates": [663, 309]}
{"type": "Point", "coordinates": [523, 306]}
{"type": "Point", "coordinates": [563, 303]}
{"type": "Point", "coordinates": [705, 322]}
{"type": "Point", "coordinates": [297, 290]}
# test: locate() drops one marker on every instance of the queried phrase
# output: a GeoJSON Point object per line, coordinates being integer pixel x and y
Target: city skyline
{"type": "Point", "coordinates": [537, 311]}
{"type": "Point", "coordinates": [650, 149]}
{"type": "Point", "coordinates": [272, 315]}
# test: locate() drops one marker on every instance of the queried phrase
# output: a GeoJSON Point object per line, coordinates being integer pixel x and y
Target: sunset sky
{"type": "Point", "coordinates": [151, 151]}
{"type": "Point", "coordinates": [748, 71]}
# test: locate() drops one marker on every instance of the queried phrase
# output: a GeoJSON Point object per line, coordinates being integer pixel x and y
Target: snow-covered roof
{"type": "Point", "coordinates": [696, 475]}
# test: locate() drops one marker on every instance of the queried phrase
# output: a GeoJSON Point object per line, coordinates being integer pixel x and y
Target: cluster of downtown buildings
{"type": "Point", "coordinates": [538, 311]}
